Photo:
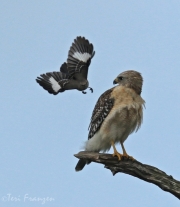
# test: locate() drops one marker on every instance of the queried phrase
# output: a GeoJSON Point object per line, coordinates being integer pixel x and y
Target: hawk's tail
{"type": "Point", "coordinates": [81, 163]}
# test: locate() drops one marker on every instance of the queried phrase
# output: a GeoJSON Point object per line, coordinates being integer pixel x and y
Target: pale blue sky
{"type": "Point", "coordinates": [41, 132]}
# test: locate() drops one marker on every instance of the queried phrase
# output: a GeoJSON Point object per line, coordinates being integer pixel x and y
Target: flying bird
{"type": "Point", "coordinates": [117, 113]}
{"type": "Point", "coordinates": [73, 73]}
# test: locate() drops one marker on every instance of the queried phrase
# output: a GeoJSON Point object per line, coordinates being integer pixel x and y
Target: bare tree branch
{"type": "Point", "coordinates": [137, 169]}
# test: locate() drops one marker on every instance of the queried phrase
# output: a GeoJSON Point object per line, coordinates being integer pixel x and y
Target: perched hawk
{"type": "Point", "coordinates": [117, 113]}
{"type": "Point", "coordinates": [73, 74]}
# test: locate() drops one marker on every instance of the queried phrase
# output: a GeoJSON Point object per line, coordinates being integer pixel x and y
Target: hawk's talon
{"type": "Point", "coordinates": [116, 153]}
{"type": "Point", "coordinates": [128, 157]}
{"type": "Point", "coordinates": [84, 92]}
{"type": "Point", "coordinates": [125, 153]}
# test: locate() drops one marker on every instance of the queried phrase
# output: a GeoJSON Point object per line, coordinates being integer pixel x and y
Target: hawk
{"type": "Point", "coordinates": [73, 74]}
{"type": "Point", "coordinates": [117, 113]}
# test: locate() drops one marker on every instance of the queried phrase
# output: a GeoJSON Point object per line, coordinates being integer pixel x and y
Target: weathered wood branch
{"type": "Point", "coordinates": [135, 168]}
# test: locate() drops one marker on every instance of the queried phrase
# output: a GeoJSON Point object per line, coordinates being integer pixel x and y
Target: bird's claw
{"type": "Point", "coordinates": [127, 156]}
{"type": "Point", "coordinates": [116, 153]}
{"type": "Point", "coordinates": [90, 89]}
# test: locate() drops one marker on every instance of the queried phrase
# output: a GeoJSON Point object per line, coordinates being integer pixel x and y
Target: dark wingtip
{"type": "Point", "coordinates": [93, 55]}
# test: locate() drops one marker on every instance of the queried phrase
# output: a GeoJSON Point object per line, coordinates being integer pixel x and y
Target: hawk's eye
{"type": "Point", "coordinates": [120, 78]}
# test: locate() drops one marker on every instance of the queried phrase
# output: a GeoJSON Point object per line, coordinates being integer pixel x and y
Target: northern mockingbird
{"type": "Point", "coordinates": [73, 74]}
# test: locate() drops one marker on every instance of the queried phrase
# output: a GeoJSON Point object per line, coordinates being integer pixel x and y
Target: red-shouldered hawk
{"type": "Point", "coordinates": [117, 113]}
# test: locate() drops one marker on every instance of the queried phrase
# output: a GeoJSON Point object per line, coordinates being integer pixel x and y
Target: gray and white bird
{"type": "Point", "coordinates": [73, 74]}
{"type": "Point", "coordinates": [117, 113]}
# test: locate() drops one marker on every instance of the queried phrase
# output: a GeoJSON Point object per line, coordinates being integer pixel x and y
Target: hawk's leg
{"type": "Point", "coordinates": [90, 89]}
{"type": "Point", "coordinates": [125, 153]}
{"type": "Point", "coordinates": [116, 153]}
{"type": "Point", "coordinates": [84, 92]}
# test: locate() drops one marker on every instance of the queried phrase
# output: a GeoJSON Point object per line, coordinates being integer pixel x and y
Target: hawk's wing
{"type": "Point", "coordinates": [100, 112]}
{"type": "Point", "coordinates": [79, 58]}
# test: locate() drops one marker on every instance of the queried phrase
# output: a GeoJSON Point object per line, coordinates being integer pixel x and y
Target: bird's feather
{"type": "Point", "coordinates": [53, 82]}
{"type": "Point", "coordinates": [73, 74]}
{"type": "Point", "coordinates": [100, 112]}
{"type": "Point", "coordinates": [80, 54]}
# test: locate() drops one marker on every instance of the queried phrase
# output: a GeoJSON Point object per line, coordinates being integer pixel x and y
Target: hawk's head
{"type": "Point", "coordinates": [131, 79]}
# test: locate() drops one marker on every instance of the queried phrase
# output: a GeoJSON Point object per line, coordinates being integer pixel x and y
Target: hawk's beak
{"type": "Point", "coordinates": [115, 81]}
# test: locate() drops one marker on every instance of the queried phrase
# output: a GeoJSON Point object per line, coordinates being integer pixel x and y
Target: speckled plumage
{"type": "Point", "coordinates": [117, 113]}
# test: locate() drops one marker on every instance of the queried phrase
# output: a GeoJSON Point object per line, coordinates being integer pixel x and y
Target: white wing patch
{"type": "Point", "coordinates": [54, 84]}
{"type": "Point", "coordinates": [82, 56]}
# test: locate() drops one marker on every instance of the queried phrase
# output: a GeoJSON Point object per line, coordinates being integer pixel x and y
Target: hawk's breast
{"type": "Point", "coordinates": [125, 116]}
